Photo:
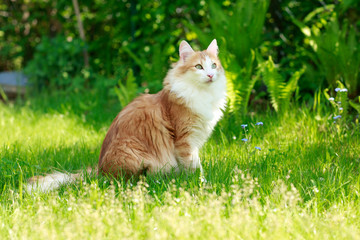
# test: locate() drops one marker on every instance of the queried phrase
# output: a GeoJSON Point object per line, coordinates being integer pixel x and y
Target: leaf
{"type": "Point", "coordinates": [247, 84]}
{"type": "Point", "coordinates": [273, 81]}
{"type": "Point", "coordinates": [126, 93]}
{"type": "Point", "coordinates": [291, 86]}
{"type": "Point", "coordinates": [280, 92]}
{"type": "Point", "coordinates": [354, 105]}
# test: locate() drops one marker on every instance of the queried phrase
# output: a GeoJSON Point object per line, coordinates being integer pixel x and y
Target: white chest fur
{"type": "Point", "coordinates": [207, 102]}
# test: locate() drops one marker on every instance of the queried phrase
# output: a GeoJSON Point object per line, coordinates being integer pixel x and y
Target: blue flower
{"type": "Point", "coordinates": [339, 102]}
{"type": "Point", "coordinates": [341, 109]}
{"type": "Point", "coordinates": [331, 99]}
{"type": "Point", "coordinates": [244, 140]}
{"type": "Point", "coordinates": [337, 89]}
{"type": "Point", "coordinates": [343, 90]}
{"type": "Point", "coordinates": [259, 124]}
{"type": "Point", "coordinates": [258, 148]}
{"type": "Point", "coordinates": [244, 125]}
{"type": "Point", "coordinates": [336, 117]}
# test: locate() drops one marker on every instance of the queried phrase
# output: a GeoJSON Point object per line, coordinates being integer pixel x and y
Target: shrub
{"type": "Point", "coordinates": [56, 63]}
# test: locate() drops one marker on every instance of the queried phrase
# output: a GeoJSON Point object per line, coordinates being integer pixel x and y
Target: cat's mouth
{"type": "Point", "coordinates": [209, 81]}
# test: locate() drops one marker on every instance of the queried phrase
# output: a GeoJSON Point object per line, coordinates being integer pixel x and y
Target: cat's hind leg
{"type": "Point", "coordinates": [125, 158]}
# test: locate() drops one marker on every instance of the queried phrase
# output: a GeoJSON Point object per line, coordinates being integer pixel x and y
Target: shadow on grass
{"type": "Point", "coordinates": [89, 106]}
{"type": "Point", "coordinates": [20, 163]}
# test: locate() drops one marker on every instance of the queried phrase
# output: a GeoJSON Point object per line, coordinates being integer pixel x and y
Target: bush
{"type": "Point", "coordinates": [56, 63]}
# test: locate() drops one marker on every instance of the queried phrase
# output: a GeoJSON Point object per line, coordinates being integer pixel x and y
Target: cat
{"type": "Point", "coordinates": [164, 132]}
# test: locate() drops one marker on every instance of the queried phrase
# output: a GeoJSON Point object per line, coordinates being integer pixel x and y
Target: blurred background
{"type": "Point", "coordinates": [107, 52]}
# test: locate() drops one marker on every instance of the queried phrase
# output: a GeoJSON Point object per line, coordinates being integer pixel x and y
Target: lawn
{"type": "Point", "coordinates": [304, 182]}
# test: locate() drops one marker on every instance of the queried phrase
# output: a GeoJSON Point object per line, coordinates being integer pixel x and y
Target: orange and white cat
{"type": "Point", "coordinates": [164, 132]}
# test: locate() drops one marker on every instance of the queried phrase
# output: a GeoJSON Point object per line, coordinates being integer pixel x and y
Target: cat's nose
{"type": "Point", "coordinates": [210, 76]}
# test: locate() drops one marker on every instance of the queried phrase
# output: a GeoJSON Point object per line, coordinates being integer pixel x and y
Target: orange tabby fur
{"type": "Point", "coordinates": [151, 134]}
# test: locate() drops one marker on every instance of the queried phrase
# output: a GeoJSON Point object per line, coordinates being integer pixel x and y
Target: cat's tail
{"type": "Point", "coordinates": [55, 180]}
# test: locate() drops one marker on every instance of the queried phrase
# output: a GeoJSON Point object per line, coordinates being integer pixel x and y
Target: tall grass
{"type": "Point", "coordinates": [303, 183]}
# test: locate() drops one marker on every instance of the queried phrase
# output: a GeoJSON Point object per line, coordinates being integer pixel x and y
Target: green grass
{"type": "Point", "coordinates": [303, 184]}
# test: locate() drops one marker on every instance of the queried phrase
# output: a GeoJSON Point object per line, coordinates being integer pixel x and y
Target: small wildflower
{"type": "Point", "coordinates": [234, 137]}
{"type": "Point", "coordinates": [244, 125]}
{"type": "Point", "coordinates": [343, 90]}
{"type": "Point", "coordinates": [341, 109]}
{"type": "Point", "coordinates": [259, 124]}
{"type": "Point", "coordinates": [337, 89]}
{"type": "Point", "coordinates": [339, 102]}
{"type": "Point", "coordinates": [258, 148]}
{"type": "Point", "coordinates": [203, 179]}
{"type": "Point", "coordinates": [244, 140]}
{"type": "Point", "coordinates": [331, 99]}
{"type": "Point", "coordinates": [336, 117]}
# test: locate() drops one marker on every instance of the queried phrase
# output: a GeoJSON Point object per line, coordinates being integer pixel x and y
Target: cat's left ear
{"type": "Point", "coordinates": [185, 50]}
{"type": "Point", "coordinates": [213, 48]}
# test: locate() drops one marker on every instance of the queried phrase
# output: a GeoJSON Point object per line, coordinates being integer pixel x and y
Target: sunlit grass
{"type": "Point", "coordinates": [304, 182]}
{"type": "Point", "coordinates": [28, 127]}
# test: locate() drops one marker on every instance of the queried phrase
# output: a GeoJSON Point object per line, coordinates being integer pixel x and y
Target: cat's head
{"type": "Point", "coordinates": [202, 68]}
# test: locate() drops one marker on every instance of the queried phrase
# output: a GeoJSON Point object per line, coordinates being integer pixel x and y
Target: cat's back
{"type": "Point", "coordinates": [137, 112]}
{"type": "Point", "coordinates": [139, 120]}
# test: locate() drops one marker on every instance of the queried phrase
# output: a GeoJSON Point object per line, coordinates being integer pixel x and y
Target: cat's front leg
{"type": "Point", "coordinates": [197, 164]}
{"type": "Point", "coordinates": [185, 155]}
{"type": "Point", "coordinates": [190, 159]}
{"type": "Point", "coordinates": [196, 160]}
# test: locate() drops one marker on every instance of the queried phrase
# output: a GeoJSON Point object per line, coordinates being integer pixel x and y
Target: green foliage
{"type": "Point", "coordinates": [240, 85]}
{"type": "Point", "coordinates": [126, 93]}
{"type": "Point", "coordinates": [335, 50]}
{"type": "Point", "coordinates": [143, 36]}
{"type": "Point", "coordinates": [244, 23]}
{"type": "Point", "coordinates": [280, 91]}
{"type": "Point", "coordinates": [153, 69]}
{"type": "Point", "coordinates": [56, 63]}
{"type": "Point", "coordinates": [148, 29]}
{"type": "Point", "coordinates": [3, 95]}
{"type": "Point", "coordinates": [355, 105]}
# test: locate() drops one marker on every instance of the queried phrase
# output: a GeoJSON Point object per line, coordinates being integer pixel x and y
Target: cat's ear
{"type": "Point", "coordinates": [213, 48]}
{"type": "Point", "coordinates": [185, 50]}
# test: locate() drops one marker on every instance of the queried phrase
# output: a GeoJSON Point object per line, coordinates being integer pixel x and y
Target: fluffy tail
{"type": "Point", "coordinates": [54, 180]}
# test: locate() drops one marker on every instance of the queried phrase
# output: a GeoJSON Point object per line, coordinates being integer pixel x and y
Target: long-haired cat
{"type": "Point", "coordinates": [163, 132]}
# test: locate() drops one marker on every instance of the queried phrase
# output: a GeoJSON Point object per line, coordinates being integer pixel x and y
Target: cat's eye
{"type": "Point", "coordinates": [198, 66]}
{"type": "Point", "coordinates": [213, 66]}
